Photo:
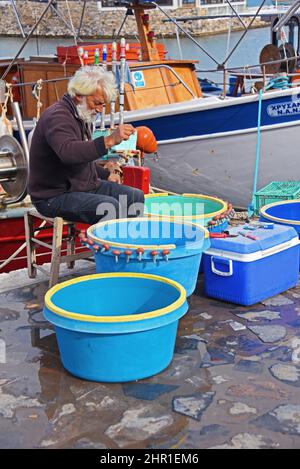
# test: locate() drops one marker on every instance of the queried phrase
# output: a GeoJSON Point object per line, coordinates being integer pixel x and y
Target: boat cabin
{"type": "Point", "coordinates": [152, 80]}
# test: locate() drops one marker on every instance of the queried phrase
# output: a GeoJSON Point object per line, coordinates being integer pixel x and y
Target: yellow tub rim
{"type": "Point", "coordinates": [187, 217]}
{"type": "Point", "coordinates": [91, 229]}
{"type": "Point", "coordinates": [285, 221]}
{"type": "Point", "coordinates": [111, 319]}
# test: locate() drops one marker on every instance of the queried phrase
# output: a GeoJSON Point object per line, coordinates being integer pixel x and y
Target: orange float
{"type": "Point", "coordinates": [146, 141]}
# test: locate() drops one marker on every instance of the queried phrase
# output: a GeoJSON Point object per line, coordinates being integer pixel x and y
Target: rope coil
{"type": "Point", "coordinates": [5, 124]}
{"type": "Point", "coordinates": [37, 94]}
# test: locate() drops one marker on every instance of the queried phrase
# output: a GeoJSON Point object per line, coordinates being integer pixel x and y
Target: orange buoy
{"type": "Point", "coordinates": [146, 140]}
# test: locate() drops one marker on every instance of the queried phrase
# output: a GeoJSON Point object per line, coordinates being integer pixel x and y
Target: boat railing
{"type": "Point", "coordinates": [247, 71]}
{"type": "Point", "coordinates": [147, 67]}
{"type": "Point", "coordinates": [271, 62]}
{"type": "Point", "coordinates": [139, 67]}
{"type": "Point", "coordinates": [252, 71]}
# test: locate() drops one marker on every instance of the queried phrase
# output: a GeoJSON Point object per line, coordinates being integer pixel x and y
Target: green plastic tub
{"type": "Point", "coordinates": [195, 208]}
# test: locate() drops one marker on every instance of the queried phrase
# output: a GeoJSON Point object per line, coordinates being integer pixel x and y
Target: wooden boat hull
{"type": "Point", "coordinates": [12, 237]}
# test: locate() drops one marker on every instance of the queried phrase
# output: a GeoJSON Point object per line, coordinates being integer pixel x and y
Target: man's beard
{"type": "Point", "coordinates": [86, 114]}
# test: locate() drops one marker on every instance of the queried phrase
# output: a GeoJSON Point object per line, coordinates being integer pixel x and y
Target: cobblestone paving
{"type": "Point", "coordinates": [233, 382]}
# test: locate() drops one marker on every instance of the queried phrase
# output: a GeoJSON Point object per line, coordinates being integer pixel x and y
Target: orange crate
{"type": "Point", "coordinates": [69, 54]}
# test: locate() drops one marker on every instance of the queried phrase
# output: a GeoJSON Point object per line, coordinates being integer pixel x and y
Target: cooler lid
{"type": "Point", "coordinates": [266, 238]}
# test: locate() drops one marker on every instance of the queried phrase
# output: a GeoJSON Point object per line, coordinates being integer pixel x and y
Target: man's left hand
{"type": "Point", "coordinates": [114, 178]}
{"type": "Point", "coordinates": [115, 171]}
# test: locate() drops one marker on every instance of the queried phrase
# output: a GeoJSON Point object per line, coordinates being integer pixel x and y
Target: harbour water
{"type": "Point", "coordinates": [217, 45]}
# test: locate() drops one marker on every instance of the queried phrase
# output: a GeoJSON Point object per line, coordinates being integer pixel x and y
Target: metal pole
{"type": "Point", "coordinates": [244, 33]}
{"type": "Point", "coordinates": [224, 83]}
{"type": "Point", "coordinates": [122, 79]}
{"type": "Point", "coordinates": [81, 18]}
{"type": "Point", "coordinates": [178, 43]}
{"type": "Point", "coordinates": [185, 32]}
{"type": "Point", "coordinates": [27, 39]}
{"type": "Point", "coordinates": [104, 65]}
{"type": "Point", "coordinates": [17, 16]}
{"type": "Point", "coordinates": [228, 36]}
{"type": "Point", "coordinates": [237, 15]}
{"type": "Point", "coordinates": [17, 114]}
{"type": "Point", "coordinates": [114, 71]}
{"type": "Point", "coordinates": [121, 27]}
{"type": "Point", "coordinates": [69, 25]}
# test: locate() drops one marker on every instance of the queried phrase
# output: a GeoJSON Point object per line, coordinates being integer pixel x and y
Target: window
{"type": "Point", "coordinates": [118, 4]}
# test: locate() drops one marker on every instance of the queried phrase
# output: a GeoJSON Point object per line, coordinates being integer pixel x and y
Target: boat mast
{"type": "Point", "coordinates": [146, 35]}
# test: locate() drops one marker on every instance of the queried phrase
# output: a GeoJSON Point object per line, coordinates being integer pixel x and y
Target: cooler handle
{"type": "Point", "coordinates": [223, 261]}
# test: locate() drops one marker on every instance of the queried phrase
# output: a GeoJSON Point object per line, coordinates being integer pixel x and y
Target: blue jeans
{"type": "Point", "coordinates": [109, 200]}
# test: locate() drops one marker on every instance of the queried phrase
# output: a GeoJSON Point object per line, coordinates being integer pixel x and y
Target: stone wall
{"type": "Point", "coordinates": [105, 23]}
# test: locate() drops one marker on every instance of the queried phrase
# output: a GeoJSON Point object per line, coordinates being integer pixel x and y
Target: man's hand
{"type": "Point", "coordinates": [115, 171]}
{"type": "Point", "coordinates": [114, 178]}
{"type": "Point", "coordinates": [121, 133]}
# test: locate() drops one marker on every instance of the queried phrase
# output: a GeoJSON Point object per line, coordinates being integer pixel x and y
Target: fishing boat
{"type": "Point", "coordinates": [208, 142]}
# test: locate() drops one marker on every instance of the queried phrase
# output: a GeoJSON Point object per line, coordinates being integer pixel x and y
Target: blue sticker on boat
{"type": "Point", "coordinates": [138, 79]}
{"type": "Point", "coordinates": [284, 109]}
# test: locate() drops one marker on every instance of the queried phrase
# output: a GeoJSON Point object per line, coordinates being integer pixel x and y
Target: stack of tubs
{"type": "Point", "coordinates": [121, 324]}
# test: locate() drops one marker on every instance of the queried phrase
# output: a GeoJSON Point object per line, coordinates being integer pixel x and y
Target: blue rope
{"type": "Point", "coordinates": [251, 206]}
{"type": "Point", "coordinates": [279, 83]}
{"type": "Point", "coordinates": [276, 83]}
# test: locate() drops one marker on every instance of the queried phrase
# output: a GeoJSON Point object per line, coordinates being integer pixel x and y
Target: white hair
{"type": "Point", "coordinates": [88, 78]}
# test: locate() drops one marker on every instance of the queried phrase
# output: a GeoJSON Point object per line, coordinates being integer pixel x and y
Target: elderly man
{"type": "Point", "coordinates": [65, 179]}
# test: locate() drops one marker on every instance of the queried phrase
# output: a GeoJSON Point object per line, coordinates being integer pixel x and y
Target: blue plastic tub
{"type": "Point", "coordinates": [167, 248]}
{"type": "Point", "coordinates": [116, 327]}
{"type": "Point", "coordinates": [245, 271]}
{"type": "Point", "coordinates": [284, 213]}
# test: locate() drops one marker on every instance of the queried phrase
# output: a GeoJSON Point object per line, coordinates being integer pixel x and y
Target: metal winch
{"type": "Point", "coordinates": [13, 170]}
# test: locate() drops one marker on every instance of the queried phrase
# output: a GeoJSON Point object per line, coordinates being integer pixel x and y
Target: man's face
{"type": "Point", "coordinates": [90, 106]}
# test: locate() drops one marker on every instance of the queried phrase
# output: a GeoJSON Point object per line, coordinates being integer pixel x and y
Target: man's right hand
{"type": "Point", "coordinates": [121, 133]}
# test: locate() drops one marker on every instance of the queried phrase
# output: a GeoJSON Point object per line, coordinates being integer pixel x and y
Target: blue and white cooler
{"type": "Point", "coordinates": [253, 266]}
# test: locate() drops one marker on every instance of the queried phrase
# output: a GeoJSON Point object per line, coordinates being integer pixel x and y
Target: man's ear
{"type": "Point", "coordinates": [78, 98]}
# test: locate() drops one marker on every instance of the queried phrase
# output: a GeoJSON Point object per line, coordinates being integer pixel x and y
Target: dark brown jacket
{"type": "Point", "coordinates": [62, 154]}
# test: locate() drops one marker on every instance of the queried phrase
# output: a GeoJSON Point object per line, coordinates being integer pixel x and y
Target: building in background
{"type": "Point", "coordinates": [212, 6]}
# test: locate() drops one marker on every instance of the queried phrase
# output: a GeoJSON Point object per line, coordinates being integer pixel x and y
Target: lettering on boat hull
{"type": "Point", "coordinates": [284, 109]}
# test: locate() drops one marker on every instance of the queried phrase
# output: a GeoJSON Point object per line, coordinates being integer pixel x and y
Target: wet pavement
{"type": "Point", "coordinates": [234, 382]}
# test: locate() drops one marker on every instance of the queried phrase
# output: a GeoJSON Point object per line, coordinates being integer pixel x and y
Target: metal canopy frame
{"type": "Point", "coordinates": [51, 4]}
{"type": "Point", "coordinates": [14, 7]}
{"type": "Point", "coordinates": [287, 16]}
{"type": "Point", "coordinates": [55, 9]}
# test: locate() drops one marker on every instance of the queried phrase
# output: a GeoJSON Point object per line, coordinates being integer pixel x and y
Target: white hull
{"type": "Point", "coordinates": [224, 165]}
